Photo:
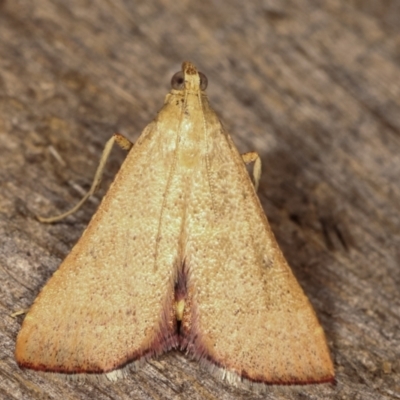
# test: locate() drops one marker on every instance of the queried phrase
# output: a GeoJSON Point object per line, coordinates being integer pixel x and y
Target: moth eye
{"type": "Point", "coordinates": [203, 81]}
{"type": "Point", "coordinates": [178, 81]}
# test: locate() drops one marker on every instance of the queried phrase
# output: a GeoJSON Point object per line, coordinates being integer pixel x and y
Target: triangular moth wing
{"type": "Point", "coordinates": [246, 315]}
{"type": "Point", "coordinates": [112, 300]}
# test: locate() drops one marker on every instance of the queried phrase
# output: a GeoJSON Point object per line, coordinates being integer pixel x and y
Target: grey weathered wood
{"type": "Point", "coordinates": [314, 87]}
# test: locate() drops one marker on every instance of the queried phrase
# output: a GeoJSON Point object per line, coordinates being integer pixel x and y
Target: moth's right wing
{"type": "Point", "coordinates": [245, 315]}
{"type": "Point", "coordinates": [112, 300]}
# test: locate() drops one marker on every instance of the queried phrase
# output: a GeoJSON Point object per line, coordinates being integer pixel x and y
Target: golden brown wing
{"type": "Point", "coordinates": [245, 312]}
{"type": "Point", "coordinates": [111, 301]}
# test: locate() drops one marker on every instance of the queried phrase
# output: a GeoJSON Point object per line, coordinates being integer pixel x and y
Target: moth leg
{"type": "Point", "coordinates": [125, 144]}
{"type": "Point", "coordinates": [254, 157]}
{"type": "Point", "coordinates": [122, 142]}
{"type": "Point", "coordinates": [19, 312]}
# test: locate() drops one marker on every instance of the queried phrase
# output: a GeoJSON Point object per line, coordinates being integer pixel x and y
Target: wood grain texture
{"type": "Point", "coordinates": [313, 87]}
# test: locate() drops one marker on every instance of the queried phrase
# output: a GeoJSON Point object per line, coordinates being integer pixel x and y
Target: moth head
{"type": "Point", "coordinates": [189, 78]}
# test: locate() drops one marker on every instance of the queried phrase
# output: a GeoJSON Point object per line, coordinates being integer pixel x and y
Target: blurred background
{"type": "Point", "coordinates": [313, 87]}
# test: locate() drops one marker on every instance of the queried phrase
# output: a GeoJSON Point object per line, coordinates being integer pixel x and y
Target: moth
{"type": "Point", "coordinates": [179, 255]}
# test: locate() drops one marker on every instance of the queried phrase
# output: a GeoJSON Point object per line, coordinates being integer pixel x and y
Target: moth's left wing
{"type": "Point", "coordinates": [111, 300]}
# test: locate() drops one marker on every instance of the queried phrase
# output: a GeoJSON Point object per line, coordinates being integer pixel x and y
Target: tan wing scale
{"type": "Point", "coordinates": [112, 300]}
{"type": "Point", "coordinates": [245, 313]}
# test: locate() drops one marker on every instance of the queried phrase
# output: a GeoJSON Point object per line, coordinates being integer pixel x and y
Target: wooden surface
{"type": "Point", "coordinates": [314, 87]}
